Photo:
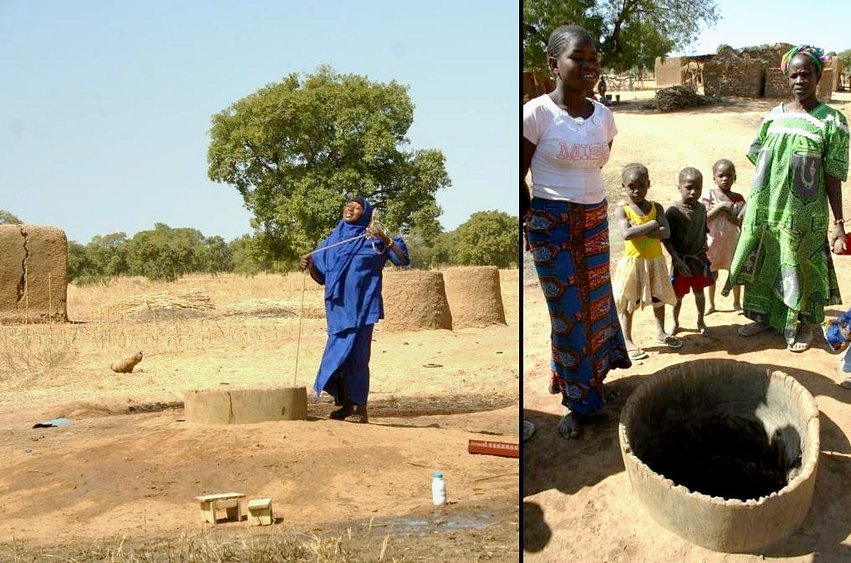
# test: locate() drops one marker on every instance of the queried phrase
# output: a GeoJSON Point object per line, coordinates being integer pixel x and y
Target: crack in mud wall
{"type": "Point", "coordinates": [33, 274]}
{"type": "Point", "coordinates": [22, 283]}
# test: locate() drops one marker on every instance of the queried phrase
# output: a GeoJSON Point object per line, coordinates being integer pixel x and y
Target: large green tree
{"type": "Point", "coordinates": [165, 254]}
{"type": "Point", "coordinates": [7, 218]}
{"type": "Point", "coordinates": [630, 33]}
{"type": "Point", "coordinates": [294, 150]}
{"type": "Point", "coordinates": [487, 238]}
{"type": "Point", "coordinates": [107, 254]}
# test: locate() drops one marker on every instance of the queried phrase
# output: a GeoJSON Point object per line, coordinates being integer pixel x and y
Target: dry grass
{"type": "Point", "coordinates": [205, 547]}
{"type": "Point", "coordinates": [229, 318]}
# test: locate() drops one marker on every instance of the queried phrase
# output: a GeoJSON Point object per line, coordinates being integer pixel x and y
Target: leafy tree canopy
{"type": "Point", "coordinates": [296, 149]}
{"type": "Point", "coordinates": [845, 58]}
{"type": "Point", "coordinates": [487, 238]}
{"type": "Point", "coordinates": [630, 33]}
{"type": "Point", "coordinates": [165, 254]}
{"type": "Point", "coordinates": [7, 218]}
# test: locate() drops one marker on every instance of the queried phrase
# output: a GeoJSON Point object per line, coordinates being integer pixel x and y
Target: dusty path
{"type": "Point", "coordinates": [128, 468]}
{"type": "Point", "coordinates": [578, 505]}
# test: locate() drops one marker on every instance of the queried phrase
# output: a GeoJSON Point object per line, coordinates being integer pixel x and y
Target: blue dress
{"type": "Point", "coordinates": [352, 274]}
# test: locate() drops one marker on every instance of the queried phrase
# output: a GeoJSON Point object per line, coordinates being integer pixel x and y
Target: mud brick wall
{"type": "Point", "coordinates": [670, 72]}
{"type": "Point", "coordinates": [414, 300]}
{"type": "Point", "coordinates": [836, 67]}
{"type": "Point", "coordinates": [33, 274]}
{"type": "Point", "coordinates": [777, 85]}
{"type": "Point", "coordinates": [474, 296]}
{"type": "Point", "coordinates": [734, 77]}
{"type": "Point", "coordinates": [825, 85]}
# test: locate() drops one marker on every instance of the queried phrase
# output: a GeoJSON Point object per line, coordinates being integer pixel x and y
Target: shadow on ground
{"type": "Point", "coordinates": [550, 462]}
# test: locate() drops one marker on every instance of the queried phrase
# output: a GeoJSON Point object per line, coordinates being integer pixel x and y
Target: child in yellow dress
{"type": "Point", "coordinates": [642, 272]}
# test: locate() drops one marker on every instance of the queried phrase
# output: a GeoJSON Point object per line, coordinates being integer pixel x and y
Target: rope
{"type": "Point", "coordinates": [374, 222]}
{"type": "Point", "coordinates": [300, 318]}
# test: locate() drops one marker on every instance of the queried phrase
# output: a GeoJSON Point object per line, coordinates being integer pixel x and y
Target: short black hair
{"type": "Point", "coordinates": [561, 36]}
{"type": "Point", "coordinates": [689, 172]}
{"type": "Point", "coordinates": [635, 166]}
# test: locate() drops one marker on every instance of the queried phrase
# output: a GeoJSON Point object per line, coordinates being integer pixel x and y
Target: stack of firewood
{"type": "Point", "coordinates": [679, 97]}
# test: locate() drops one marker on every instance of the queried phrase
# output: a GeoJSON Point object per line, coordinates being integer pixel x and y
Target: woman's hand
{"type": "Point", "coordinates": [837, 239]}
{"type": "Point", "coordinates": [305, 261]}
{"type": "Point", "coordinates": [372, 231]}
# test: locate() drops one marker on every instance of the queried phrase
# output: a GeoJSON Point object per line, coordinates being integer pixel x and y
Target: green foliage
{"type": "Point", "coordinates": [7, 218]}
{"type": "Point", "coordinates": [487, 238]}
{"type": "Point", "coordinates": [245, 258]}
{"type": "Point", "coordinates": [296, 149]}
{"type": "Point", "coordinates": [102, 258]}
{"type": "Point", "coordinates": [630, 33]}
{"type": "Point", "coordinates": [108, 254]}
{"type": "Point", "coordinates": [161, 254]}
{"type": "Point", "coordinates": [541, 17]}
{"type": "Point", "coordinates": [845, 58]}
{"type": "Point", "coordinates": [165, 254]}
{"type": "Point", "coordinates": [215, 255]}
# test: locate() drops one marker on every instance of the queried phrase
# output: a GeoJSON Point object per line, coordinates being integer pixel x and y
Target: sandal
{"type": "Point", "coordinates": [637, 354]}
{"type": "Point", "coordinates": [753, 328]}
{"type": "Point", "coordinates": [359, 416]}
{"type": "Point", "coordinates": [670, 342]}
{"type": "Point", "coordinates": [803, 340]}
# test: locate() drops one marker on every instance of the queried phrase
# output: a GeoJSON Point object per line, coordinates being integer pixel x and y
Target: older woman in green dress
{"type": "Point", "coordinates": [783, 256]}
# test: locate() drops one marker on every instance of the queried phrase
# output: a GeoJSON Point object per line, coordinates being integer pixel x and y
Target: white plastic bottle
{"type": "Point", "coordinates": [438, 488]}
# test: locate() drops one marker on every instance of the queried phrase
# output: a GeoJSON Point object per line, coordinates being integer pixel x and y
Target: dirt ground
{"type": "Point", "coordinates": [127, 470]}
{"type": "Point", "coordinates": [578, 505]}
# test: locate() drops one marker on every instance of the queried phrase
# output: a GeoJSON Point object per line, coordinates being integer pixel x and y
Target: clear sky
{"type": "Point", "coordinates": [747, 23]}
{"type": "Point", "coordinates": [106, 105]}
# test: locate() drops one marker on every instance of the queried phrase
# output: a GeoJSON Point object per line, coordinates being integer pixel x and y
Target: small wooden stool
{"type": "Point", "coordinates": [222, 501]}
{"type": "Point", "coordinates": [260, 511]}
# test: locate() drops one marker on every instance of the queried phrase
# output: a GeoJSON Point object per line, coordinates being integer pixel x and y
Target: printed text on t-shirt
{"type": "Point", "coordinates": [580, 151]}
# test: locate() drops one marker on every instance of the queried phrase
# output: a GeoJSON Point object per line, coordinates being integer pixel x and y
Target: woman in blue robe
{"type": "Point", "coordinates": [351, 274]}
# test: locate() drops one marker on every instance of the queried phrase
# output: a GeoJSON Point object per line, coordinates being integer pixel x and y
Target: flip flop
{"type": "Point", "coordinates": [637, 354]}
{"type": "Point", "coordinates": [806, 340]}
{"type": "Point", "coordinates": [751, 329]}
{"type": "Point", "coordinates": [670, 342]}
{"type": "Point", "coordinates": [798, 347]}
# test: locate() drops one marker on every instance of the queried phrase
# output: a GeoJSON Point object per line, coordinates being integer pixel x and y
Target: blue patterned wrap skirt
{"type": "Point", "coordinates": [569, 243]}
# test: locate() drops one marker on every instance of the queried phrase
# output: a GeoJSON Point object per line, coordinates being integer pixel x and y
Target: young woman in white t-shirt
{"type": "Point", "coordinates": [566, 139]}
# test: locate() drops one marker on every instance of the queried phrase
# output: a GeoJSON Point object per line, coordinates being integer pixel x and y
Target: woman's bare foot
{"type": "Point", "coordinates": [803, 339]}
{"type": "Point", "coordinates": [710, 309]}
{"type": "Point", "coordinates": [737, 307]}
{"type": "Point", "coordinates": [702, 328]}
{"type": "Point", "coordinates": [675, 328]}
{"type": "Point", "coordinates": [568, 428]}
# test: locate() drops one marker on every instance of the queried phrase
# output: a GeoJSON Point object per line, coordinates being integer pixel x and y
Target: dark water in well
{"type": "Point", "coordinates": [724, 455]}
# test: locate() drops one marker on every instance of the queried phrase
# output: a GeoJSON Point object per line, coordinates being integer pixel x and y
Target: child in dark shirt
{"type": "Point", "coordinates": [690, 268]}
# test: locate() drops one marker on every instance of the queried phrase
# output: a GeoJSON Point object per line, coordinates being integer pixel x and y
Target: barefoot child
{"type": "Point", "coordinates": [690, 268]}
{"type": "Point", "coordinates": [642, 273]}
{"type": "Point", "coordinates": [724, 211]}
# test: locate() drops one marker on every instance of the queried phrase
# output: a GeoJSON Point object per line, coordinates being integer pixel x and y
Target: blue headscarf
{"type": "Point", "coordinates": [334, 262]}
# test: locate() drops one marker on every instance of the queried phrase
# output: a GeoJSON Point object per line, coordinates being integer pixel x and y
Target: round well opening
{"type": "Point", "coordinates": [723, 453]}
